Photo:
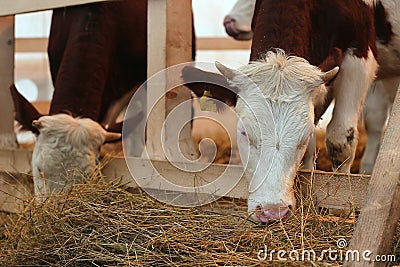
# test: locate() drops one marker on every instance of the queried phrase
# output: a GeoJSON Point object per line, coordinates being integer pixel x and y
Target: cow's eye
{"type": "Point", "coordinates": [243, 133]}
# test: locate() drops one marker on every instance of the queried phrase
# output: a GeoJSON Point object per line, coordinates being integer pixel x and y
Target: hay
{"type": "Point", "coordinates": [101, 224]}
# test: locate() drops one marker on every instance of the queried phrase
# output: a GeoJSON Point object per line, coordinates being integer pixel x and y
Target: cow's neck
{"type": "Point", "coordinates": [282, 24]}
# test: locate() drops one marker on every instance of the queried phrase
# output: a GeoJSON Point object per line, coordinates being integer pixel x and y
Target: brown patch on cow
{"type": "Point", "coordinates": [323, 159]}
{"type": "Point", "coordinates": [311, 28]}
{"type": "Point", "coordinates": [383, 28]}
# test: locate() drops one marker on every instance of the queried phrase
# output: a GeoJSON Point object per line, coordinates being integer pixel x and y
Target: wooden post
{"type": "Point", "coordinates": [381, 206]}
{"type": "Point", "coordinates": [156, 61]}
{"type": "Point", "coordinates": [180, 145]}
{"type": "Point", "coordinates": [7, 135]}
{"type": "Point", "coordinates": [169, 43]}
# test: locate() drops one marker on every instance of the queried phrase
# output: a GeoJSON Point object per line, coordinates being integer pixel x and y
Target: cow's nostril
{"type": "Point", "coordinates": [272, 213]}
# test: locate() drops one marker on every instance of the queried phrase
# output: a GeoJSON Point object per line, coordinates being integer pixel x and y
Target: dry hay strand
{"type": "Point", "coordinates": [101, 224]}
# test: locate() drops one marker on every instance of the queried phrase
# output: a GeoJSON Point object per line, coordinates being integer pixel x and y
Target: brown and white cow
{"type": "Point", "coordinates": [97, 54]}
{"type": "Point", "coordinates": [382, 92]}
{"type": "Point", "coordinates": [277, 92]}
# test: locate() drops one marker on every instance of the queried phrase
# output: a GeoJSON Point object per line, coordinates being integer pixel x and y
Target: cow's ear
{"type": "Point", "coordinates": [111, 137]}
{"type": "Point", "coordinates": [320, 92]}
{"type": "Point", "coordinates": [215, 85]}
{"type": "Point", "coordinates": [25, 112]}
{"type": "Point", "coordinates": [228, 73]}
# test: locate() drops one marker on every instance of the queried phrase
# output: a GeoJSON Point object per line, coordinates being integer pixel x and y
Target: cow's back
{"type": "Point", "coordinates": [97, 52]}
{"type": "Point", "coordinates": [311, 28]}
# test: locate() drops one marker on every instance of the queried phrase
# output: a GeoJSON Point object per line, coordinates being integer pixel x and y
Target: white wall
{"type": "Point", "coordinates": [208, 22]}
{"type": "Point", "coordinates": [32, 74]}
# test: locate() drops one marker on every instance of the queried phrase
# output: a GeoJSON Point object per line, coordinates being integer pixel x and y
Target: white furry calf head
{"type": "Point", "coordinates": [66, 149]}
{"type": "Point", "coordinates": [276, 120]}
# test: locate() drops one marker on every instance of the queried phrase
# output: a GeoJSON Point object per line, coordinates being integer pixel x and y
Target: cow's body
{"type": "Point", "coordinates": [381, 94]}
{"type": "Point", "coordinates": [279, 90]}
{"type": "Point", "coordinates": [97, 54]}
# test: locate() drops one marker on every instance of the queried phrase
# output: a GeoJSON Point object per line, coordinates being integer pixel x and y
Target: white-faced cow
{"type": "Point", "coordinates": [382, 92]}
{"type": "Point", "coordinates": [97, 54]}
{"type": "Point", "coordinates": [65, 151]}
{"type": "Point", "coordinates": [277, 92]}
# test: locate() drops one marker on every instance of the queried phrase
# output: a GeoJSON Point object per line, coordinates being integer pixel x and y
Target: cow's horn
{"type": "Point", "coordinates": [110, 137]}
{"type": "Point", "coordinates": [329, 75]}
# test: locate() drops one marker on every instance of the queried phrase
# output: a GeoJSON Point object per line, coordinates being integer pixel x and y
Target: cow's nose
{"type": "Point", "coordinates": [272, 212]}
{"type": "Point", "coordinates": [230, 28]}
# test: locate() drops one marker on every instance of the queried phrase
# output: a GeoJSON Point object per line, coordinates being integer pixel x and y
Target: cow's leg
{"type": "Point", "coordinates": [309, 156]}
{"type": "Point", "coordinates": [351, 87]}
{"type": "Point", "coordinates": [379, 101]}
{"type": "Point", "coordinates": [375, 114]}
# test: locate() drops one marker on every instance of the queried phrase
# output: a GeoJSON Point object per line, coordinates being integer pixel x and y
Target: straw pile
{"type": "Point", "coordinates": [101, 224]}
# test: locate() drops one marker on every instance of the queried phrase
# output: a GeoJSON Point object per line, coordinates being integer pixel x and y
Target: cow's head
{"type": "Point", "coordinates": [275, 109]}
{"type": "Point", "coordinates": [66, 148]}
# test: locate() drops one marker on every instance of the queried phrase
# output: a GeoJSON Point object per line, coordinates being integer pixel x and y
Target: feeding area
{"type": "Point", "coordinates": [100, 223]}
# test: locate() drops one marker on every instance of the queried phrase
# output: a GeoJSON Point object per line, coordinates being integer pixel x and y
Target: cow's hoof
{"type": "Point", "coordinates": [342, 156]}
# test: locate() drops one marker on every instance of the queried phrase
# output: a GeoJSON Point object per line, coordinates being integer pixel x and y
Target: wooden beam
{"type": "Point", "coordinates": [221, 43]}
{"type": "Point", "coordinates": [11, 7]}
{"type": "Point", "coordinates": [339, 191]}
{"type": "Point", "coordinates": [31, 45]}
{"type": "Point", "coordinates": [16, 184]}
{"type": "Point", "coordinates": [15, 160]}
{"type": "Point", "coordinates": [7, 136]}
{"type": "Point", "coordinates": [381, 207]}
{"type": "Point", "coordinates": [27, 45]}
{"type": "Point", "coordinates": [15, 190]}
{"type": "Point", "coordinates": [329, 190]}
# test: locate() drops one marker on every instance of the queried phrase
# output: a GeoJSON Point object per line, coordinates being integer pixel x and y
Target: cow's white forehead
{"type": "Point", "coordinates": [278, 77]}
{"type": "Point", "coordinates": [274, 99]}
{"type": "Point", "coordinates": [77, 131]}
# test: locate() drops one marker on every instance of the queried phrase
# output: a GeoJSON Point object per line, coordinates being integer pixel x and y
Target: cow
{"type": "Point", "coordinates": [381, 95]}
{"type": "Point", "coordinates": [238, 21]}
{"type": "Point", "coordinates": [276, 93]}
{"type": "Point", "coordinates": [65, 152]}
{"type": "Point", "coordinates": [382, 92]}
{"type": "Point", "coordinates": [97, 54]}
